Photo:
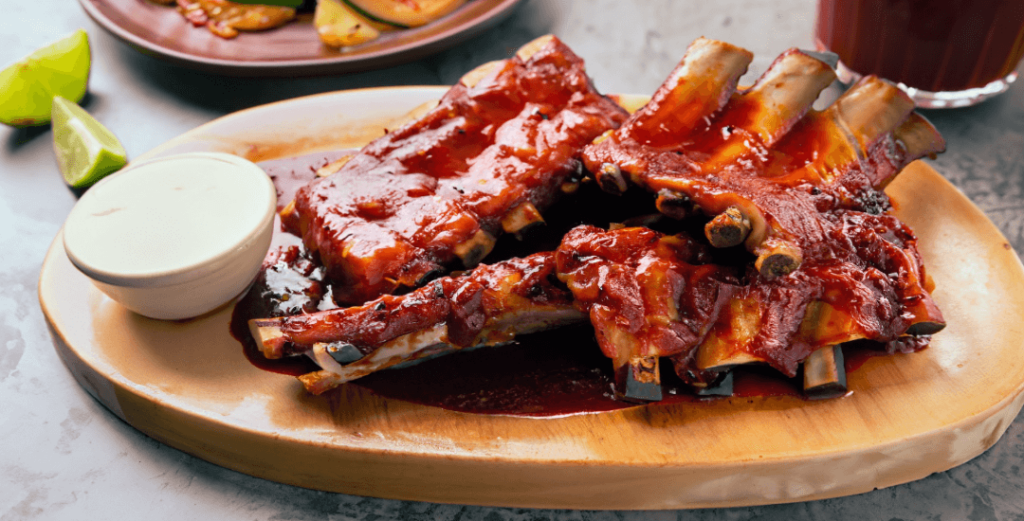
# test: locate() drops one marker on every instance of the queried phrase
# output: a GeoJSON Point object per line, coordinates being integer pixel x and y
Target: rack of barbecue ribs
{"type": "Point", "coordinates": [496, 151]}
{"type": "Point", "coordinates": [487, 306]}
{"type": "Point", "coordinates": [800, 189]}
{"type": "Point", "coordinates": [759, 161]}
{"type": "Point", "coordinates": [649, 295]}
{"type": "Point", "coordinates": [790, 196]}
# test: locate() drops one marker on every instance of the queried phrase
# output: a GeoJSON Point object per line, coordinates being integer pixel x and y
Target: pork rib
{"type": "Point", "coordinates": [493, 154]}
{"type": "Point", "coordinates": [488, 306]}
{"type": "Point", "coordinates": [872, 287]}
{"type": "Point", "coordinates": [650, 295]}
{"type": "Point", "coordinates": [761, 161]}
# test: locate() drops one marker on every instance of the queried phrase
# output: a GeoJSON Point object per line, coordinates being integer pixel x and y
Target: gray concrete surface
{"type": "Point", "coordinates": [63, 456]}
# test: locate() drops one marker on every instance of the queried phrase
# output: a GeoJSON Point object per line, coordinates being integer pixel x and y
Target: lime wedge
{"type": "Point", "coordinates": [28, 86]}
{"type": "Point", "coordinates": [86, 150]}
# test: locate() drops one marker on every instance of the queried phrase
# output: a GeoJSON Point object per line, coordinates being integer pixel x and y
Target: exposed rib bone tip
{"type": "Point", "coordinates": [471, 78]}
{"type": "Point", "coordinates": [268, 335]}
{"type": "Point", "coordinates": [729, 228]}
{"type": "Point", "coordinates": [341, 352]}
{"type": "Point", "coordinates": [530, 48]}
{"type": "Point", "coordinates": [288, 210]}
{"type": "Point", "coordinates": [474, 249]}
{"type": "Point", "coordinates": [522, 219]}
{"type": "Point", "coordinates": [824, 373]}
{"type": "Point", "coordinates": [333, 167]}
{"type": "Point", "coordinates": [611, 179]}
{"type": "Point", "coordinates": [779, 260]}
{"type": "Point", "coordinates": [640, 379]}
{"type": "Point", "coordinates": [721, 387]}
{"type": "Point", "coordinates": [607, 134]}
{"type": "Point", "coordinates": [673, 204]}
{"type": "Point", "coordinates": [785, 92]}
{"type": "Point", "coordinates": [872, 108]}
{"type": "Point", "coordinates": [919, 137]}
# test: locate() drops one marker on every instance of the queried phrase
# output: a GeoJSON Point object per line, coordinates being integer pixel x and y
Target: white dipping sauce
{"type": "Point", "coordinates": [173, 221]}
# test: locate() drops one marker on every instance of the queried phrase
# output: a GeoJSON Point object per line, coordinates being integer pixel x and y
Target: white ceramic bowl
{"type": "Point", "coordinates": [174, 237]}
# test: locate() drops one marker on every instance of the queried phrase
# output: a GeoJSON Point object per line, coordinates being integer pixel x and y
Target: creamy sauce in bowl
{"type": "Point", "coordinates": [197, 220]}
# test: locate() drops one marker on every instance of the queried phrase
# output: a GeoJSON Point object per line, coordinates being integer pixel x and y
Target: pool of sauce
{"type": "Point", "coordinates": [553, 373]}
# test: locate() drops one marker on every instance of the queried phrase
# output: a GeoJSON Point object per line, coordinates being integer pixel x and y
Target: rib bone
{"type": "Point", "coordinates": [872, 108]}
{"type": "Point", "coordinates": [729, 228]}
{"type": "Point", "coordinates": [474, 249]}
{"type": "Point", "coordinates": [675, 205]}
{"type": "Point", "coordinates": [521, 219]}
{"type": "Point", "coordinates": [777, 258]}
{"type": "Point", "coordinates": [824, 374]}
{"type": "Point", "coordinates": [768, 110]}
{"type": "Point", "coordinates": [698, 88]}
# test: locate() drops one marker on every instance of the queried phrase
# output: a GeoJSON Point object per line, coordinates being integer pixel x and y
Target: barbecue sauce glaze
{"type": "Point", "coordinates": [437, 190]}
{"type": "Point", "coordinates": [553, 373]}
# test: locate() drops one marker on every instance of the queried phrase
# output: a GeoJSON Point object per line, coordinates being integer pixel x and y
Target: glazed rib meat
{"type": "Point", "coordinates": [800, 252]}
{"type": "Point", "coordinates": [487, 306]}
{"type": "Point", "coordinates": [802, 191]}
{"type": "Point", "coordinates": [760, 161]}
{"type": "Point", "coordinates": [495, 152]}
{"type": "Point", "coordinates": [650, 295]}
{"type": "Point", "coordinates": [872, 285]}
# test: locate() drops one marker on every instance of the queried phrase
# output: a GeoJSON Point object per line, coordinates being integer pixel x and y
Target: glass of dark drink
{"type": "Point", "coordinates": [944, 53]}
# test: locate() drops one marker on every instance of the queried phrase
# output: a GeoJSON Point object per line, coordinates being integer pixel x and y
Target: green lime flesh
{"type": "Point", "coordinates": [86, 150]}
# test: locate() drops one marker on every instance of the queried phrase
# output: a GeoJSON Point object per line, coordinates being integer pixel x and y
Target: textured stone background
{"type": "Point", "coordinates": [63, 456]}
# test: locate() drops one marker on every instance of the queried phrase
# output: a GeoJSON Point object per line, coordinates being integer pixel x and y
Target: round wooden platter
{"type": "Point", "coordinates": [187, 384]}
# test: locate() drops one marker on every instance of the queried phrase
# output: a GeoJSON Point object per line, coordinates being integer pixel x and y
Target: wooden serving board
{"type": "Point", "coordinates": [187, 384]}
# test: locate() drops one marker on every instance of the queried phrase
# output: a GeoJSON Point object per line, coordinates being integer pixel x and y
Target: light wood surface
{"type": "Point", "coordinates": [187, 384]}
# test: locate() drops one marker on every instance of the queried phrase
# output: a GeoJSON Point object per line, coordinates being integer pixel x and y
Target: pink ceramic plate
{"type": "Point", "coordinates": [293, 49]}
